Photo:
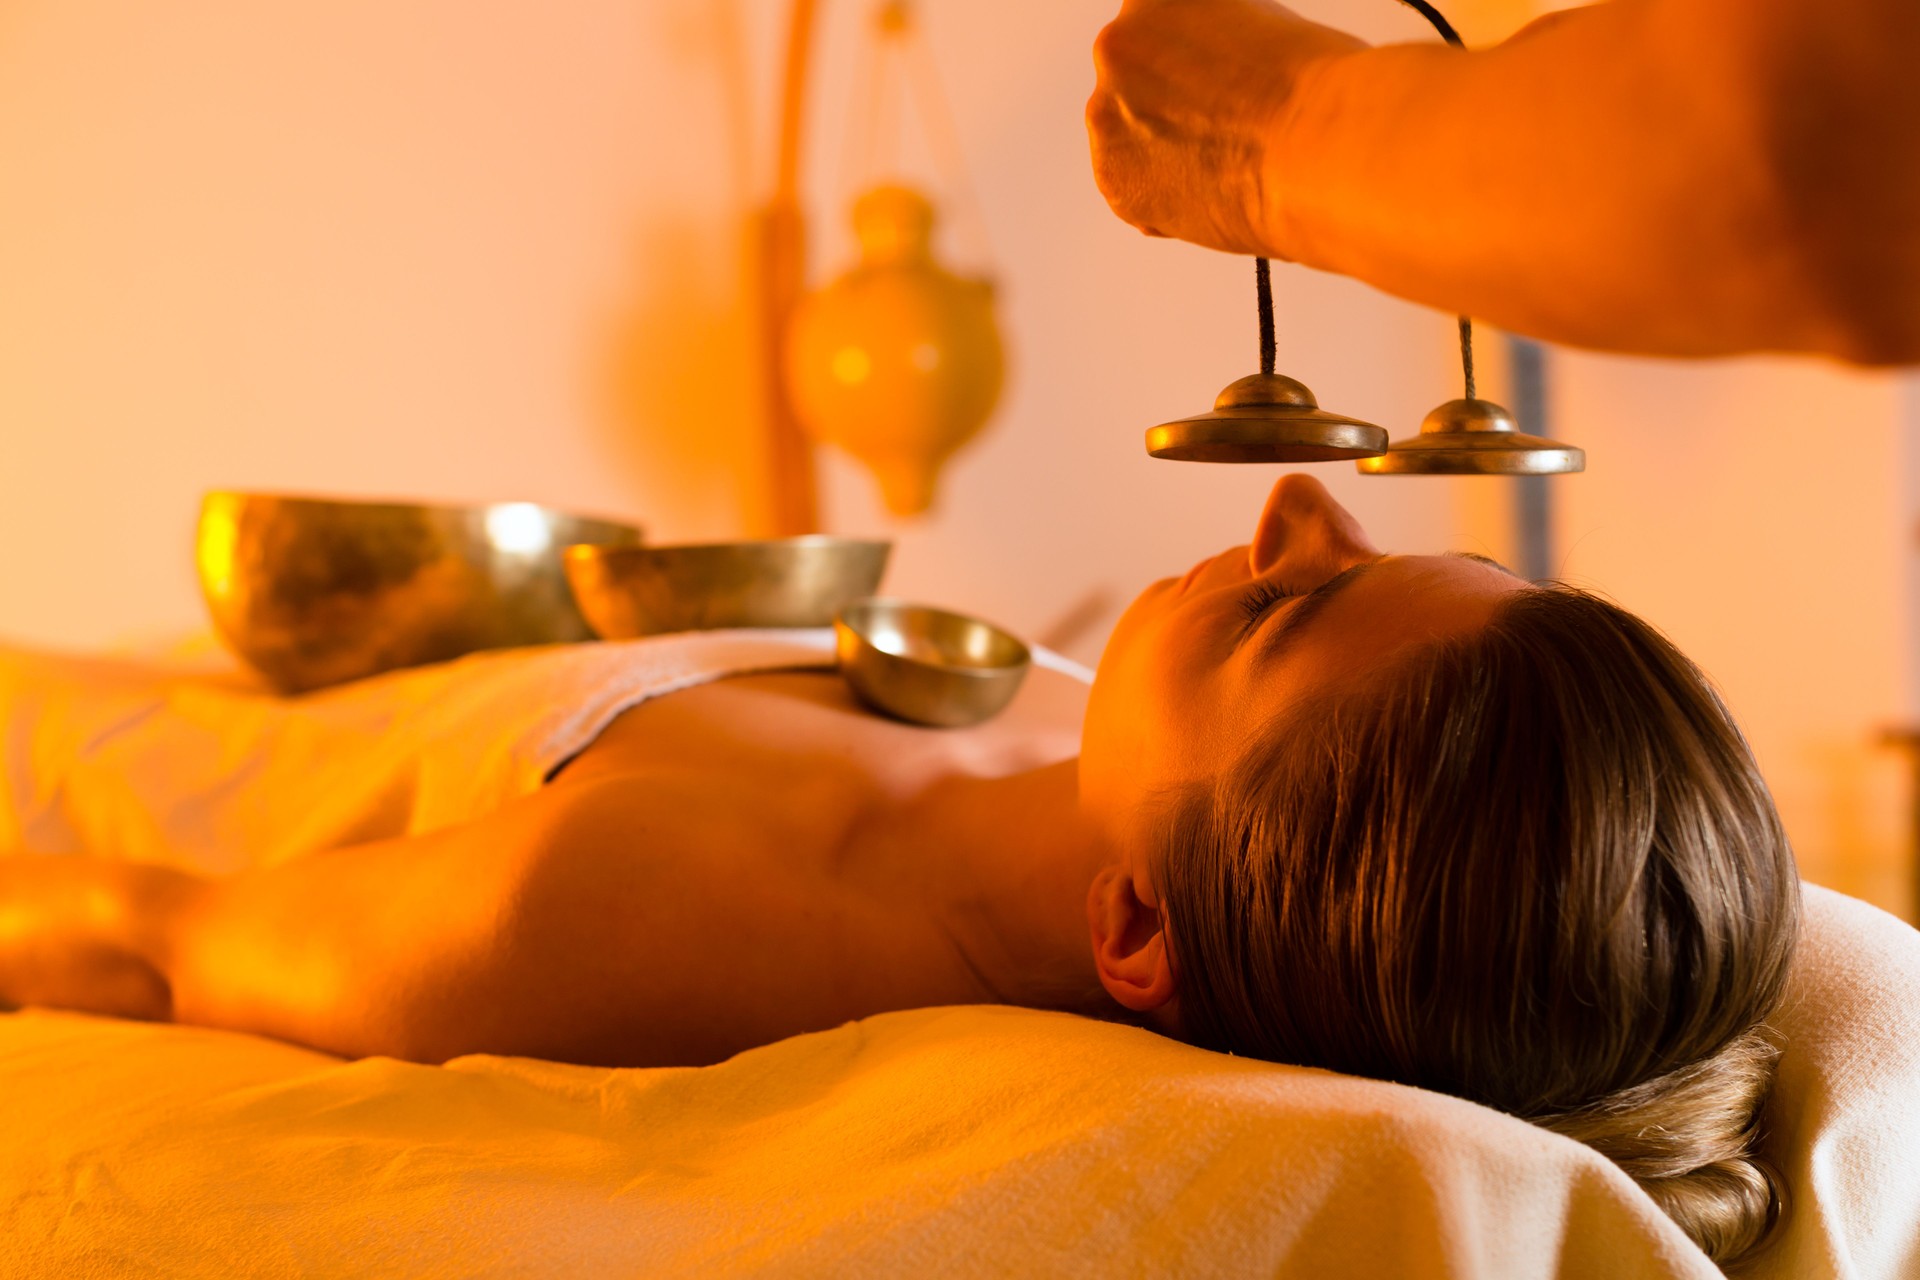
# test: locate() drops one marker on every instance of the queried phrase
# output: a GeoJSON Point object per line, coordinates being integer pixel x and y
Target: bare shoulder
{"type": "Point", "coordinates": [774, 728]}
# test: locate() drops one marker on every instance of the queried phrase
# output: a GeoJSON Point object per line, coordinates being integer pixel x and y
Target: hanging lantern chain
{"type": "Point", "coordinates": [900, 76]}
{"type": "Point", "coordinates": [943, 137]}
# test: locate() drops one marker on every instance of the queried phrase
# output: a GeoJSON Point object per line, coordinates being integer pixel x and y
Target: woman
{"type": "Point", "coordinates": [1403, 816]}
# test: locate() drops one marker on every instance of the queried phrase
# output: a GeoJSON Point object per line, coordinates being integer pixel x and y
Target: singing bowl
{"type": "Point", "coordinates": [927, 665]}
{"type": "Point", "coordinates": [624, 592]}
{"type": "Point", "coordinates": [312, 592]}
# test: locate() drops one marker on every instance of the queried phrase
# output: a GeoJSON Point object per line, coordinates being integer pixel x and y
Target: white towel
{"type": "Point", "coordinates": [213, 773]}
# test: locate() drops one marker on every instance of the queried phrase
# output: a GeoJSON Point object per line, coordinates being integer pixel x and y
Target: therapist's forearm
{"type": "Point", "coordinates": [1584, 183]}
{"type": "Point", "coordinates": [1682, 177]}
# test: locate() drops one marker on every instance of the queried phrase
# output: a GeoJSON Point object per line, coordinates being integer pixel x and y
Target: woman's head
{"type": "Point", "coordinates": [1203, 664]}
{"type": "Point", "coordinates": [1467, 834]}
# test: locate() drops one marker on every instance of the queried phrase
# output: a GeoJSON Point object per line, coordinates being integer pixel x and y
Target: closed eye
{"type": "Point", "coordinates": [1303, 610]}
{"type": "Point", "coordinates": [1260, 598]}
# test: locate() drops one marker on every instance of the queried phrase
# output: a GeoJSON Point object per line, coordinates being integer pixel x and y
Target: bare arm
{"type": "Point", "coordinates": [1682, 177]}
{"type": "Point", "coordinates": [374, 948]}
{"type": "Point", "coordinates": [525, 932]}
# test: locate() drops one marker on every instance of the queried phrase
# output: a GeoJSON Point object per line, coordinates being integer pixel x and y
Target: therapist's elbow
{"type": "Point", "coordinates": [1814, 274]}
{"type": "Point", "coordinates": [1875, 322]}
{"type": "Point", "coordinates": [1838, 168]}
{"type": "Point", "coordinates": [1853, 290]}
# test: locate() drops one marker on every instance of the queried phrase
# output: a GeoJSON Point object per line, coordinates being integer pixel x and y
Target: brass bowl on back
{"type": "Point", "coordinates": [926, 665]}
{"type": "Point", "coordinates": [626, 592]}
{"type": "Point", "coordinates": [312, 592]}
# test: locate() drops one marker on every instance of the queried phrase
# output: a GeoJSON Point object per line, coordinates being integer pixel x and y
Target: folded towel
{"type": "Point", "coordinates": [212, 775]}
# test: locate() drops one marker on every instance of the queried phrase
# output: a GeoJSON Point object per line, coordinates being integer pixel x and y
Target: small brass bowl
{"type": "Point", "coordinates": [928, 665]}
{"type": "Point", "coordinates": [784, 582]}
{"type": "Point", "coordinates": [313, 592]}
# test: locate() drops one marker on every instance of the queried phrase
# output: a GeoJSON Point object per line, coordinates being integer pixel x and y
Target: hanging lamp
{"type": "Point", "coordinates": [898, 360]}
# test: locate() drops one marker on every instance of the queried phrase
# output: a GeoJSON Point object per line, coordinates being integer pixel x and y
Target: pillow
{"type": "Point", "coordinates": [1843, 1123]}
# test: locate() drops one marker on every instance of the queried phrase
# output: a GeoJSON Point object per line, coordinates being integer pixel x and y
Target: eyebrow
{"type": "Point", "coordinates": [1287, 634]}
{"type": "Point", "coordinates": [1293, 620]}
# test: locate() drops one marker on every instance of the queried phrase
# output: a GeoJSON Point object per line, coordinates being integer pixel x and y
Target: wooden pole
{"type": "Point", "coordinates": [793, 489]}
{"type": "Point", "coordinates": [1907, 740]}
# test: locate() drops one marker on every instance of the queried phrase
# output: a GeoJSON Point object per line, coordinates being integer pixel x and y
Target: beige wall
{"type": "Point", "coordinates": [466, 251]}
{"type": "Point", "coordinates": [447, 251]}
{"type": "Point", "coordinates": [1757, 511]}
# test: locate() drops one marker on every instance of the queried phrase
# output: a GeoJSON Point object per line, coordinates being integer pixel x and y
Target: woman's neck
{"type": "Point", "coordinates": [1007, 863]}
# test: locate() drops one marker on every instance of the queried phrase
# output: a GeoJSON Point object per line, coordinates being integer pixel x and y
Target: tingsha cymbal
{"type": "Point", "coordinates": [1474, 438]}
{"type": "Point", "coordinates": [1266, 417]}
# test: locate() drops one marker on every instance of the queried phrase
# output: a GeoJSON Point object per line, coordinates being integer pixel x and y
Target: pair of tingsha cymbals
{"type": "Point", "coordinates": [1269, 417]}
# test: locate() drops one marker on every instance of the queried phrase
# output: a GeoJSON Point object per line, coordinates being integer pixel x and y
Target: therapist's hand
{"type": "Point", "coordinates": [1190, 97]}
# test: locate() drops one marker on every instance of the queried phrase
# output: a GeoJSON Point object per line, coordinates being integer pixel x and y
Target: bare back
{"type": "Point", "coordinates": [723, 867]}
{"type": "Point", "coordinates": [788, 900]}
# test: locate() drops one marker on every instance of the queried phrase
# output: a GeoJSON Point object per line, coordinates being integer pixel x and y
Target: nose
{"type": "Point", "coordinates": [1302, 528]}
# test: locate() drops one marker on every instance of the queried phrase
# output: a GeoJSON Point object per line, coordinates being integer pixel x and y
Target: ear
{"type": "Point", "coordinates": [1129, 941]}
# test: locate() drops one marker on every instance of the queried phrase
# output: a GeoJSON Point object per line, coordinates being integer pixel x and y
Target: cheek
{"type": "Point", "coordinates": [1131, 666]}
{"type": "Point", "coordinates": [1140, 714]}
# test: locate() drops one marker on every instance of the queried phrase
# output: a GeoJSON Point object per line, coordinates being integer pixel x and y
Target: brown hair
{"type": "Point", "coordinates": [1535, 867]}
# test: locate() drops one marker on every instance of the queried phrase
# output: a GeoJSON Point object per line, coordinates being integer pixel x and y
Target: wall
{"type": "Point", "coordinates": [448, 252]}
{"type": "Point", "coordinates": [464, 252]}
{"type": "Point", "coordinates": [1756, 511]}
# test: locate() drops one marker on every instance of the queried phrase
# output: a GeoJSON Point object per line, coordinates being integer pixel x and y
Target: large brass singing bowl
{"type": "Point", "coordinates": [783, 582]}
{"type": "Point", "coordinates": [312, 592]}
{"type": "Point", "coordinates": [927, 665]}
